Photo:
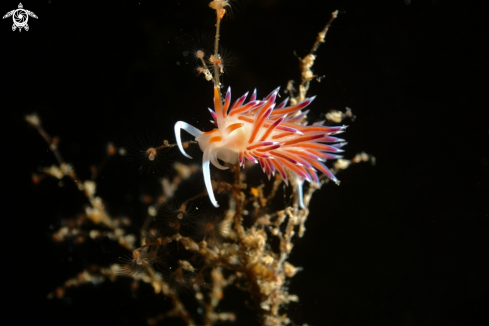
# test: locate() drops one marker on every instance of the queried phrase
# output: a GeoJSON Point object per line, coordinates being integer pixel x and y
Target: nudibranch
{"type": "Point", "coordinates": [276, 137]}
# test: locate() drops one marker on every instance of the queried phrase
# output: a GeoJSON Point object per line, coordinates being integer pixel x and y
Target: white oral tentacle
{"type": "Point", "coordinates": [215, 162]}
{"type": "Point", "coordinates": [207, 177]}
{"type": "Point", "coordinates": [188, 128]}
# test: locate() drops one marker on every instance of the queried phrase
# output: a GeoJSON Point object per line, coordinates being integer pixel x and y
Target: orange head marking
{"type": "Point", "coordinates": [215, 139]}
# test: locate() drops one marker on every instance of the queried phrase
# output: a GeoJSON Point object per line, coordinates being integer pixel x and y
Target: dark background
{"type": "Point", "coordinates": [404, 242]}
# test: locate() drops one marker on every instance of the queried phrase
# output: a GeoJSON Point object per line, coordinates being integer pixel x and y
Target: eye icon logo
{"type": "Point", "coordinates": [20, 17]}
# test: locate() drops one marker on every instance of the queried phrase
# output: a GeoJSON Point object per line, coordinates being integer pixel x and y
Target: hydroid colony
{"type": "Point", "coordinates": [191, 253]}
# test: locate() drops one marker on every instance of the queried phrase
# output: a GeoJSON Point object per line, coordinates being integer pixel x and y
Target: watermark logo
{"type": "Point", "coordinates": [20, 17]}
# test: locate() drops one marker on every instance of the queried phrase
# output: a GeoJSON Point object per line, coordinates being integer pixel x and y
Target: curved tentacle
{"type": "Point", "coordinates": [215, 162]}
{"type": "Point", "coordinates": [207, 178]}
{"type": "Point", "coordinates": [188, 128]}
